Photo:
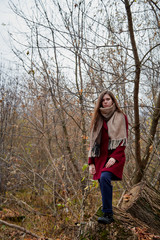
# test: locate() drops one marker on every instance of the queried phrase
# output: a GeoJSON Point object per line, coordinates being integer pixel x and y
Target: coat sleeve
{"type": "Point", "coordinates": [90, 160]}
{"type": "Point", "coordinates": [118, 153]}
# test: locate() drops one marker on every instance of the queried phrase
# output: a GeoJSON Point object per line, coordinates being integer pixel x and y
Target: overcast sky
{"type": "Point", "coordinates": [7, 20]}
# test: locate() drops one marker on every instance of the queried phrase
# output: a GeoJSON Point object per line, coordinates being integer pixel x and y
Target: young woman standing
{"type": "Point", "coordinates": [108, 138]}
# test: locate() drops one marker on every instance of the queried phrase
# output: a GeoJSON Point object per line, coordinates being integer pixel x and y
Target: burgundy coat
{"type": "Point", "coordinates": [118, 154]}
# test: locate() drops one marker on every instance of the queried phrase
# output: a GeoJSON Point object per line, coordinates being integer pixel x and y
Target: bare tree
{"type": "Point", "coordinates": [71, 52]}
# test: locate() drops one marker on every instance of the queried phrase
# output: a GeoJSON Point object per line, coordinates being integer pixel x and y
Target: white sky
{"type": "Point", "coordinates": [7, 20]}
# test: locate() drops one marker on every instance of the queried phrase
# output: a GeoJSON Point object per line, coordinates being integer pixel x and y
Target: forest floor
{"type": "Point", "coordinates": [29, 219]}
{"type": "Point", "coordinates": [44, 227]}
{"type": "Point", "coordinates": [123, 228]}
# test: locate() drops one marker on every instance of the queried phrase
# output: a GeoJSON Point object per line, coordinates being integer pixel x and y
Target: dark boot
{"type": "Point", "coordinates": [106, 219]}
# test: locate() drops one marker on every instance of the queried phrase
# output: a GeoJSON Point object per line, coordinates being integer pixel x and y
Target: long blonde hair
{"type": "Point", "coordinates": [96, 113]}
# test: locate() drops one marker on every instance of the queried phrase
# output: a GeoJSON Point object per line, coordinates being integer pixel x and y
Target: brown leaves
{"type": "Point", "coordinates": [80, 92]}
{"type": "Point", "coordinates": [84, 137]}
{"type": "Point", "coordinates": [8, 214]}
{"type": "Point", "coordinates": [127, 197]}
{"type": "Point", "coordinates": [150, 148]}
{"type": "Point", "coordinates": [28, 238]}
{"type": "Point", "coordinates": [142, 234]}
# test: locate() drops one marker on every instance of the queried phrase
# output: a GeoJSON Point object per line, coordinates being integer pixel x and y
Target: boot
{"type": "Point", "coordinates": [106, 219]}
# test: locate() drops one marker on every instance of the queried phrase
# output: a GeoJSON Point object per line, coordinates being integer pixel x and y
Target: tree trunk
{"type": "Point", "coordinates": [136, 86]}
{"type": "Point", "coordinates": [155, 118]}
{"type": "Point", "coordinates": [143, 202]}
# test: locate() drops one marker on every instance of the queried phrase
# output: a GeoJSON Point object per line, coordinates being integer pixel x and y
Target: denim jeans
{"type": "Point", "coordinates": [106, 190]}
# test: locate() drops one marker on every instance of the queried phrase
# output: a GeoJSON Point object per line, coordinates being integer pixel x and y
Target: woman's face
{"type": "Point", "coordinates": [107, 101]}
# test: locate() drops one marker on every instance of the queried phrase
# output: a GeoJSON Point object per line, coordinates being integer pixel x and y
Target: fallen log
{"type": "Point", "coordinates": [142, 201]}
{"type": "Point", "coordinates": [124, 227]}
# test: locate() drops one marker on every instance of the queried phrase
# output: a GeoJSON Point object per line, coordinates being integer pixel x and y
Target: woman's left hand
{"type": "Point", "coordinates": [110, 162]}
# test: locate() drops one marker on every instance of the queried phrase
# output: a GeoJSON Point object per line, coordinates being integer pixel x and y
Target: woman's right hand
{"type": "Point", "coordinates": [92, 169]}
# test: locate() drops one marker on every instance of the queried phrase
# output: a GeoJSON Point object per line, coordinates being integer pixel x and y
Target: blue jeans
{"type": "Point", "coordinates": [106, 190]}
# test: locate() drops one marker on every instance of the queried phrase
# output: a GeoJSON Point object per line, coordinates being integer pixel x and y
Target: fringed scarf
{"type": "Point", "coordinates": [116, 130]}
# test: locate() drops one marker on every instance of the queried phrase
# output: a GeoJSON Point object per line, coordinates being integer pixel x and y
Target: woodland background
{"type": "Point", "coordinates": [69, 52]}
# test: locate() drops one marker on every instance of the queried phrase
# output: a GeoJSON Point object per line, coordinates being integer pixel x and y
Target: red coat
{"type": "Point", "coordinates": [105, 154]}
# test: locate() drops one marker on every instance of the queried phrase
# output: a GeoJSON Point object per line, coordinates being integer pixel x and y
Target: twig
{"type": "Point", "coordinates": [19, 228]}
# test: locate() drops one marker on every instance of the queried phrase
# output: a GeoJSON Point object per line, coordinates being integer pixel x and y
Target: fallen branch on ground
{"type": "Point", "coordinates": [19, 228]}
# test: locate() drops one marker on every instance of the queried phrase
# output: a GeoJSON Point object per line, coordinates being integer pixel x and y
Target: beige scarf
{"type": "Point", "coordinates": [116, 130]}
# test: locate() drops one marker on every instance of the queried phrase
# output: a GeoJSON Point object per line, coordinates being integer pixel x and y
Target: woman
{"type": "Point", "coordinates": [109, 131]}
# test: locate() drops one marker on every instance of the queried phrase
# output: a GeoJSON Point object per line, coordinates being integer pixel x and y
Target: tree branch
{"type": "Point", "coordinates": [149, 51]}
{"type": "Point", "coordinates": [19, 228]}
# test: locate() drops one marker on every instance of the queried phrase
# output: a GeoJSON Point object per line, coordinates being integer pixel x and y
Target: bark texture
{"type": "Point", "coordinates": [137, 218]}
{"type": "Point", "coordinates": [143, 203]}
{"type": "Point", "coordinates": [124, 227]}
